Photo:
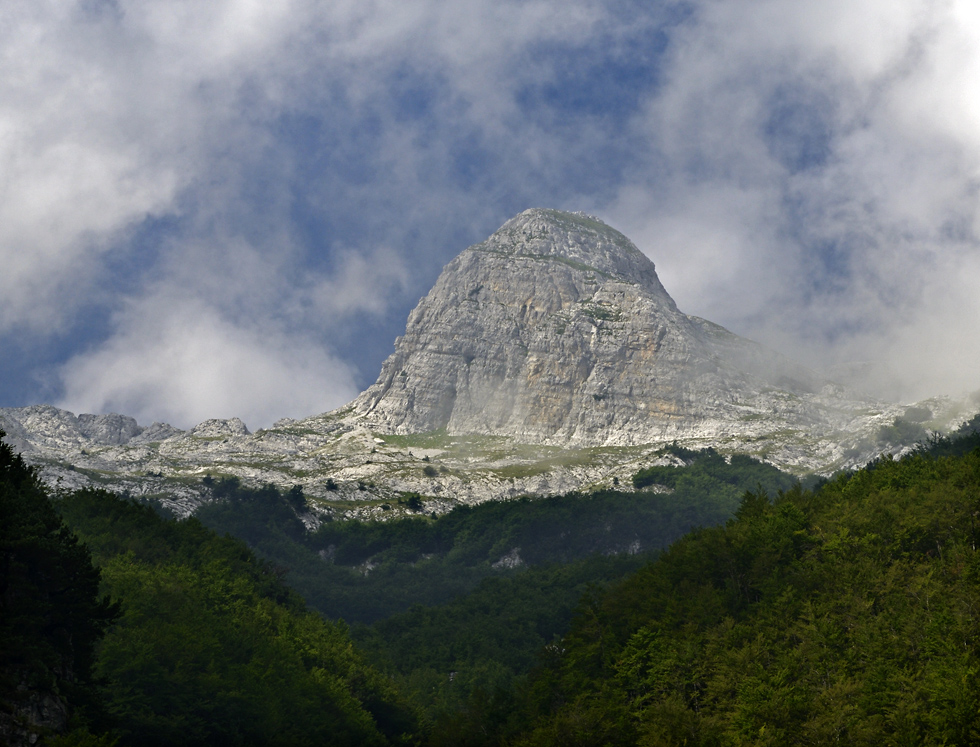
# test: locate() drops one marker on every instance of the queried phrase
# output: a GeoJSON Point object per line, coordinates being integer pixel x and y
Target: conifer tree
{"type": "Point", "coordinates": [51, 615]}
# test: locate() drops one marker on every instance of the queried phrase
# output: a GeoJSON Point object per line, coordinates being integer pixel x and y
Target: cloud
{"type": "Point", "coordinates": [812, 181]}
{"type": "Point", "coordinates": [298, 172]}
{"type": "Point", "coordinates": [182, 362]}
{"type": "Point", "coordinates": [105, 117]}
{"type": "Point", "coordinates": [115, 112]}
{"type": "Point", "coordinates": [362, 284]}
{"type": "Point", "coordinates": [277, 163]}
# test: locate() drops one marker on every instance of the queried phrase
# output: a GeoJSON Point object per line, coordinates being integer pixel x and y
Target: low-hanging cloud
{"type": "Point", "coordinates": [813, 182]}
{"type": "Point", "coordinates": [183, 363]}
{"type": "Point", "coordinates": [155, 142]}
{"type": "Point", "coordinates": [361, 285]}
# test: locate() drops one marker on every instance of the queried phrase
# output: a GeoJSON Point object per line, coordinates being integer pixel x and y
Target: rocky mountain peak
{"type": "Point", "coordinates": [578, 239]}
{"type": "Point", "coordinates": [557, 330]}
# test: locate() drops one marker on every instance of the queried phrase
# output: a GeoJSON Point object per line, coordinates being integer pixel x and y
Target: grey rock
{"type": "Point", "coordinates": [47, 425]}
{"type": "Point", "coordinates": [510, 560]}
{"type": "Point", "coordinates": [110, 430]}
{"type": "Point", "coordinates": [33, 714]}
{"type": "Point", "coordinates": [156, 432]}
{"type": "Point", "coordinates": [548, 358]}
{"type": "Point", "coordinates": [16, 435]}
{"type": "Point", "coordinates": [214, 428]}
{"type": "Point", "coordinates": [557, 330]}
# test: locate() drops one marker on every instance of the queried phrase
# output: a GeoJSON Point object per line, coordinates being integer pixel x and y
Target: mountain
{"type": "Point", "coordinates": [545, 359]}
{"type": "Point", "coordinates": [557, 330]}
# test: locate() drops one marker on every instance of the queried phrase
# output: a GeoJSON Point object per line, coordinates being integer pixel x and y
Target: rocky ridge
{"type": "Point", "coordinates": [545, 359]}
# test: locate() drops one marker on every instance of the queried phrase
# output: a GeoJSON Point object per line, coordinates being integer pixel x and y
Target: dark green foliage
{"type": "Point", "coordinates": [412, 501]}
{"type": "Point", "coordinates": [365, 571]}
{"type": "Point", "coordinates": [51, 613]}
{"type": "Point", "coordinates": [459, 633]}
{"type": "Point", "coordinates": [708, 473]}
{"type": "Point", "coordinates": [252, 513]}
{"type": "Point", "coordinates": [963, 441]}
{"type": "Point", "coordinates": [203, 618]}
{"type": "Point", "coordinates": [846, 613]}
{"type": "Point", "coordinates": [296, 499]}
{"type": "Point", "coordinates": [212, 648]}
{"type": "Point", "coordinates": [494, 620]}
{"type": "Point", "coordinates": [465, 662]}
{"type": "Point", "coordinates": [968, 429]}
{"type": "Point", "coordinates": [115, 527]}
{"type": "Point", "coordinates": [842, 615]}
{"type": "Point", "coordinates": [918, 414]}
{"type": "Point", "coordinates": [902, 432]}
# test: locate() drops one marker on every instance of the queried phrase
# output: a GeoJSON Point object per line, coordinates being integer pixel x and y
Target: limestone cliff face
{"type": "Point", "coordinates": [556, 329]}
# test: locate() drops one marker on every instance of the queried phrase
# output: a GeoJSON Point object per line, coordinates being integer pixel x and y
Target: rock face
{"type": "Point", "coordinates": [41, 428]}
{"type": "Point", "coordinates": [35, 714]}
{"type": "Point", "coordinates": [557, 330]}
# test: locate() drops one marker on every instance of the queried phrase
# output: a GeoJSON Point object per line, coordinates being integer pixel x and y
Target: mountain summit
{"type": "Point", "coordinates": [556, 329]}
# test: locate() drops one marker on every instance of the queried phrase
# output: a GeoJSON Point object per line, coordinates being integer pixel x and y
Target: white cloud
{"type": "Point", "coordinates": [806, 173]}
{"type": "Point", "coordinates": [363, 284]}
{"type": "Point", "coordinates": [179, 361]}
{"type": "Point", "coordinates": [844, 250]}
{"type": "Point", "coordinates": [113, 111]}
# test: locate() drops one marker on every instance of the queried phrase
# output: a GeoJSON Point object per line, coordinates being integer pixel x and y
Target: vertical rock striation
{"type": "Point", "coordinates": [556, 329]}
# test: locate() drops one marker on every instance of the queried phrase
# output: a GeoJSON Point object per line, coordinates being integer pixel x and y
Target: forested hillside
{"type": "Point", "coordinates": [368, 571]}
{"type": "Point", "coordinates": [207, 646]}
{"type": "Point", "coordinates": [52, 614]}
{"type": "Point", "coordinates": [211, 647]}
{"type": "Point", "coordinates": [848, 614]}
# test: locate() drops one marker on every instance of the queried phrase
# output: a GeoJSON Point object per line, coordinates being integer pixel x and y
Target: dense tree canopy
{"type": "Point", "coordinates": [848, 614]}
{"type": "Point", "coordinates": [379, 568]}
{"type": "Point", "coordinates": [212, 648]}
{"type": "Point", "coordinates": [51, 612]}
{"type": "Point", "coordinates": [845, 613]}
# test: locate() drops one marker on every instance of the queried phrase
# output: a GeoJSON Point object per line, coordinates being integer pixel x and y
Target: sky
{"type": "Point", "coordinates": [228, 208]}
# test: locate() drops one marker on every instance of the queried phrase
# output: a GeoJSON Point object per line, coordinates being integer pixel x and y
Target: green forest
{"type": "Point", "coordinates": [718, 603]}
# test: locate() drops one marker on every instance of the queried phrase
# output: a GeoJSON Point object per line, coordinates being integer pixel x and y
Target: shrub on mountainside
{"type": "Point", "coordinates": [902, 433]}
{"type": "Point", "coordinates": [708, 473]}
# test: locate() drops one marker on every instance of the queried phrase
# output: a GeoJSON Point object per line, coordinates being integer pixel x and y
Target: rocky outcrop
{"type": "Point", "coordinates": [215, 428]}
{"type": "Point", "coordinates": [556, 329]}
{"type": "Point", "coordinates": [111, 430]}
{"type": "Point", "coordinates": [33, 715]}
{"type": "Point", "coordinates": [43, 427]}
